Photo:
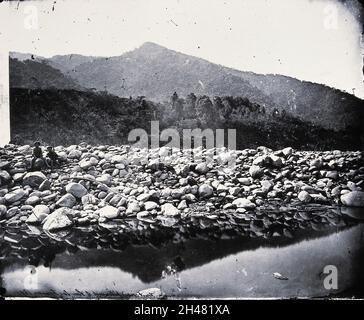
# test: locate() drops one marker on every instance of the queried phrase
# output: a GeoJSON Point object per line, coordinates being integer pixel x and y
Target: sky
{"type": "Point", "coordinates": [313, 40]}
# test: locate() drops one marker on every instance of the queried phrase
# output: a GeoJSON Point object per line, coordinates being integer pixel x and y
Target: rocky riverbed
{"type": "Point", "coordinates": [131, 191]}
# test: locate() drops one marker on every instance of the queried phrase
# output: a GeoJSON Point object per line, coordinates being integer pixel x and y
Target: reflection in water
{"type": "Point", "coordinates": [238, 267]}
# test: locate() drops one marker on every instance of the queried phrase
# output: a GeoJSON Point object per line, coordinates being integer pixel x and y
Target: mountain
{"type": "Point", "coordinates": [67, 63]}
{"type": "Point", "coordinates": [38, 74]}
{"type": "Point", "coordinates": [156, 72]}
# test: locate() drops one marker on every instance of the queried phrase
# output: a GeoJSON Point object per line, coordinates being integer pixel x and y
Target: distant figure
{"type": "Point", "coordinates": [38, 160]}
{"type": "Point", "coordinates": [53, 158]}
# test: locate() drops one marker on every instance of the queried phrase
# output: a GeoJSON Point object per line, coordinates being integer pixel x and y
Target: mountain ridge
{"type": "Point", "coordinates": [156, 72]}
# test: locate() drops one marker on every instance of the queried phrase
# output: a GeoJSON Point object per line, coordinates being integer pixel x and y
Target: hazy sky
{"type": "Point", "coordinates": [314, 40]}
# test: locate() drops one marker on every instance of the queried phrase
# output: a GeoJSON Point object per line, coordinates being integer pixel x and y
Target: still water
{"type": "Point", "coordinates": [239, 267]}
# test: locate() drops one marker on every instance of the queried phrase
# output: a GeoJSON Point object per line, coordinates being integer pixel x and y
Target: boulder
{"type": "Point", "coordinates": [244, 203]}
{"type": "Point", "coordinates": [40, 212]}
{"type": "Point", "coordinates": [304, 196]}
{"type": "Point", "coordinates": [276, 161]}
{"type": "Point", "coordinates": [287, 151]}
{"type": "Point", "coordinates": [353, 199]}
{"type": "Point", "coordinates": [205, 191]}
{"type": "Point", "coordinates": [32, 200]}
{"type": "Point", "coordinates": [3, 211]}
{"type": "Point", "coordinates": [68, 200]}
{"type": "Point", "coordinates": [150, 205]}
{"type": "Point", "coordinates": [12, 212]}
{"type": "Point", "coordinates": [5, 177]}
{"type": "Point", "coordinates": [169, 209]}
{"type": "Point", "coordinates": [76, 189]}
{"type": "Point", "coordinates": [57, 220]}
{"type": "Point", "coordinates": [15, 195]}
{"type": "Point", "coordinates": [202, 168]}
{"type": "Point", "coordinates": [45, 185]}
{"type": "Point", "coordinates": [133, 207]}
{"type": "Point", "coordinates": [255, 171]}
{"type": "Point", "coordinates": [75, 154]}
{"type": "Point", "coordinates": [34, 179]}
{"type": "Point", "coordinates": [105, 179]}
{"type": "Point", "coordinates": [150, 293]}
{"type": "Point", "coordinates": [108, 212]}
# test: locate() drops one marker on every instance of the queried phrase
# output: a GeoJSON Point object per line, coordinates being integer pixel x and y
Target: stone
{"type": "Point", "coordinates": [169, 209]}
{"type": "Point", "coordinates": [266, 185]}
{"type": "Point", "coordinates": [3, 211]}
{"type": "Point", "coordinates": [105, 179]}
{"type": "Point", "coordinates": [245, 181]}
{"type": "Point", "coordinates": [108, 212]}
{"type": "Point", "coordinates": [5, 177]}
{"type": "Point", "coordinates": [334, 175]}
{"type": "Point", "coordinates": [316, 163]}
{"type": "Point", "coordinates": [75, 154]}
{"type": "Point", "coordinates": [182, 205]}
{"type": "Point", "coordinates": [68, 200]}
{"type": "Point", "coordinates": [32, 200]}
{"type": "Point", "coordinates": [234, 191]}
{"type": "Point", "coordinates": [133, 207]}
{"type": "Point", "coordinates": [276, 161]}
{"type": "Point", "coordinates": [15, 195]}
{"type": "Point", "coordinates": [287, 151]}
{"type": "Point", "coordinates": [150, 205]}
{"type": "Point", "coordinates": [45, 185]}
{"type": "Point", "coordinates": [304, 196]}
{"type": "Point", "coordinates": [34, 179]}
{"type": "Point", "coordinates": [150, 293]}
{"type": "Point", "coordinates": [12, 212]}
{"type": "Point", "coordinates": [59, 219]}
{"type": "Point", "coordinates": [244, 203]}
{"type": "Point", "coordinates": [76, 189]}
{"type": "Point", "coordinates": [353, 199]}
{"type": "Point", "coordinates": [205, 191]}
{"type": "Point", "coordinates": [255, 171]}
{"type": "Point", "coordinates": [40, 212]}
{"type": "Point", "coordinates": [202, 168]}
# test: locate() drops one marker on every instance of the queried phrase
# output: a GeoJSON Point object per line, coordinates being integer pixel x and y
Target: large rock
{"type": "Point", "coordinates": [3, 211]}
{"type": "Point", "coordinates": [58, 219]}
{"type": "Point", "coordinates": [15, 195]}
{"type": "Point", "coordinates": [32, 200]}
{"type": "Point", "coordinates": [304, 196]}
{"type": "Point", "coordinates": [255, 171]}
{"type": "Point", "coordinates": [169, 209]}
{"type": "Point", "coordinates": [40, 212]}
{"type": "Point", "coordinates": [75, 154]}
{"type": "Point", "coordinates": [353, 199]}
{"type": "Point", "coordinates": [205, 191]}
{"type": "Point", "coordinates": [150, 205]}
{"type": "Point", "coordinates": [151, 293]}
{"type": "Point", "coordinates": [108, 212]}
{"type": "Point", "coordinates": [68, 200]}
{"type": "Point", "coordinates": [276, 161]}
{"type": "Point", "coordinates": [76, 189]}
{"type": "Point", "coordinates": [287, 151]}
{"type": "Point", "coordinates": [5, 177]}
{"type": "Point", "coordinates": [105, 179]}
{"type": "Point", "coordinates": [244, 203]}
{"type": "Point", "coordinates": [34, 179]}
{"type": "Point", "coordinates": [202, 168]}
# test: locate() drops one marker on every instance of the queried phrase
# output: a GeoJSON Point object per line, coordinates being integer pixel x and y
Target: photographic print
{"type": "Point", "coordinates": [181, 149]}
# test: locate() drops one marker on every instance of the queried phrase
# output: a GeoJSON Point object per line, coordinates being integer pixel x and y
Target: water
{"type": "Point", "coordinates": [239, 267]}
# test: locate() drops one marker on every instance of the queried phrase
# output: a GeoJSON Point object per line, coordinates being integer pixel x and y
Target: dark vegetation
{"type": "Point", "coordinates": [63, 117]}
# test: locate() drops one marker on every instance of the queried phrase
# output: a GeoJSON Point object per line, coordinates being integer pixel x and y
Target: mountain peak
{"type": "Point", "coordinates": [151, 48]}
{"type": "Point", "coordinates": [151, 45]}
